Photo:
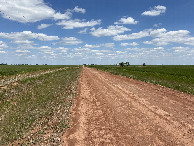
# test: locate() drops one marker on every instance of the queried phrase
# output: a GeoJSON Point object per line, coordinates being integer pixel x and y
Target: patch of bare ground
{"type": "Point", "coordinates": [115, 110]}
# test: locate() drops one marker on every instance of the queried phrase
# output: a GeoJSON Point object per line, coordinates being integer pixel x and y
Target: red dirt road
{"type": "Point", "coordinates": [115, 110]}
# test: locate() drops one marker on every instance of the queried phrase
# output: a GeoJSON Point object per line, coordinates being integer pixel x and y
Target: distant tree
{"type": "Point", "coordinates": [121, 64]}
{"type": "Point", "coordinates": [144, 64]}
{"type": "Point", "coordinates": [3, 64]}
{"type": "Point", "coordinates": [127, 63]}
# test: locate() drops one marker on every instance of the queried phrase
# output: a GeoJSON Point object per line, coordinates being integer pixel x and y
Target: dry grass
{"type": "Point", "coordinates": [36, 110]}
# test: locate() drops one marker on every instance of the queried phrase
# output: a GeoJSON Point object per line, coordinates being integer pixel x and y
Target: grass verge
{"type": "Point", "coordinates": [178, 77]}
{"type": "Point", "coordinates": [36, 110]}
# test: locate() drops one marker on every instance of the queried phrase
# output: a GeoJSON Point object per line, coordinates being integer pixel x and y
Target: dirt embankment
{"type": "Point", "coordinates": [115, 110]}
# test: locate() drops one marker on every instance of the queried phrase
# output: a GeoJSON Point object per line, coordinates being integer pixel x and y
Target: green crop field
{"type": "Point", "coordinates": [178, 77]}
{"type": "Point", "coordinates": [41, 101]}
{"type": "Point", "coordinates": [7, 70]}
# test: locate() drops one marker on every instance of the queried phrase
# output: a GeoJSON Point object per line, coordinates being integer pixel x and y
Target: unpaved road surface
{"type": "Point", "coordinates": [115, 110]}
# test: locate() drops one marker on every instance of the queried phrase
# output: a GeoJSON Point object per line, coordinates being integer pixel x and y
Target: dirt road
{"type": "Point", "coordinates": [115, 110]}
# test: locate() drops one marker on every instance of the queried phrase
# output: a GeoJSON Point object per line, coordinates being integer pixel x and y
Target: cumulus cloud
{"type": "Point", "coordinates": [79, 10]}
{"type": "Point", "coordinates": [160, 36]}
{"type": "Point", "coordinates": [2, 52]}
{"type": "Point", "coordinates": [62, 50]}
{"type": "Point", "coordinates": [66, 15]}
{"type": "Point", "coordinates": [84, 31]}
{"type": "Point", "coordinates": [70, 41]}
{"type": "Point", "coordinates": [132, 36]}
{"type": "Point", "coordinates": [181, 49]}
{"type": "Point", "coordinates": [164, 37]}
{"type": "Point", "coordinates": [128, 20]}
{"type": "Point", "coordinates": [77, 23]}
{"type": "Point", "coordinates": [129, 44]}
{"type": "Point", "coordinates": [3, 44]}
{"type": "Point", "coordinates": [147, 42]}
{"type": "Point", "coordinates": [110, 31]}
{"type": "Point", "coordinates": [23, 42]}
{"type": "Point", "coordinates": [25, 11]}
{"type": "Point", "coordinates": [22, 51]}
{"type": "Point", "coordinates": [108, 45]}
{"type": "Point", "coordinates": [91, 46]}
{"type": "Point", "coordinates": [42, 26]}
{"type": "Point", "coordinates": [27, 35]}
{"type": "Point", "coordinates": [157, 10]}
{"type": "Point", "coordinates": [157, 25]}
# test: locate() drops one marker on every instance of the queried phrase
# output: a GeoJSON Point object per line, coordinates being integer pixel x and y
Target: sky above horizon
{"type": "Point", "coordinates": [97, 32]}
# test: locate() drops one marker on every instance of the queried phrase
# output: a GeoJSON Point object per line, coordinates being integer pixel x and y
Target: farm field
{"type": "Point", "coordinates": [8, 70]}
{"type": "Point", "coordinates": [40, 108]}
{"type": "Point", "coordinates": [35, 109]}
{"type": "Point", "coordinates": [178, 77]}
{"type": "Point", "coordinates": [116, 110]}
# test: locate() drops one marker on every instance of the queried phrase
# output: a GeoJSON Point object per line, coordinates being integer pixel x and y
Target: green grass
{"type": "Point", "coordinates": [32, 100]}
{"type": "Point", "coordinates": [8, 70]}
{"type": "Point", "coordinates": [178, 77]}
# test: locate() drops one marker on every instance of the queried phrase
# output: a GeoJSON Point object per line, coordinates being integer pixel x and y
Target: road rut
{"type": "Point", "coordinates": [115, 110]}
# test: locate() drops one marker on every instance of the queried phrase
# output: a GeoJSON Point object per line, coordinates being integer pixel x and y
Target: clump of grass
{"type": "Point", "coordinates": [43, 101]}
{"type": "Point", "coordinates": [178, 77]}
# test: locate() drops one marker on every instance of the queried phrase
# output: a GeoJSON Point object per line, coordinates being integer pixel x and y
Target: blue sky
{"type": "Point", "coordinates": [97, 31]}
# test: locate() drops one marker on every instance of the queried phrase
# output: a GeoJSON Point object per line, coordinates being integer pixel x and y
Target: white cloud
{"type": "Point", "coordinates": [181, 49]}
{"type": "Point", "coordinates": [2, 52]}
{"type": "Point", "coordinates": [158, 48]}
{"type": "Point", "coordinates": [22, 51]}
{"type": "Point", "coordinates": [27, 35]}
{"type": "Point", "coordinates": [80, 49]}
{"type": "Point", "coordinates": [77, 23]}
{"type": "Point", "coordinates": [23, 42]}
{"type": "Point", "coordinates": [3, 44]}
{"type": "Point", "coordinates": [128, 20]}
{"type": "Point", "coordinates": [91, 46]}
{"type": "Point", "coordinates": [84, 31]}
{"type": "Point", "coordinates": [133, 49]}
{"type": "Point", "coordinates": [147, 42]}
{"type": "Point", "coordinates": [157, 25]}
{"type": "Point", "coordinates": [108, 45]}
{"type": "Point", "coordinates": [45, 48]}
{"type": "Point", "coordinates": [29, 11]}
{"type": "Point", "coordinates": [79, 10]}
{"type": "Point", "coordinates": [42, 26]}
{"type": "Point", "coordinates": [70, 41]}
{"type": "Point", "coordinates": [66, 15]}
{"type": "Point", "coordinates": [129, 44]}
{"type": "Point", "coordinates": [164, 37]}
{"type": "Point", "coordinates": [62, 50]}
{"type": "Point", "coordinates": [157, 10]}
{"type": "Point", "coordinates": [132, 36]}
{"type": "Point", "coordinates": [110, 31]}
{"type": "Point", "coordinates": [160, 37]}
